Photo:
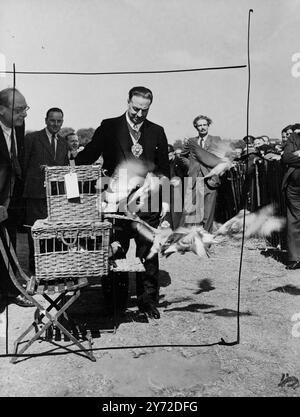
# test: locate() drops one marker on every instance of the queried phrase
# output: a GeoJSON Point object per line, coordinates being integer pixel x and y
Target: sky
{"type": "Point", "coordinates": [147, 35]}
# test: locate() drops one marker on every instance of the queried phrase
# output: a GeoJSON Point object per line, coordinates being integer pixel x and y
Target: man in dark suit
{"type": "Point", "coordinates": [13, 110]}
{"type": "Point", "coordinates": [202, 153]}
{"type": "Point", "coordinates": [133, 137]}
{"type": "Point", "coordinates": [178, 171]}
{"type": "Point", "coordinates": [291, 187]}
{"type": "Point", "coordinates": [44, 147]}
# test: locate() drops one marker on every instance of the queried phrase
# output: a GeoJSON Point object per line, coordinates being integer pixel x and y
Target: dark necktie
{"type": "Point", "coordinates": [14, 158]}
{"type": "Point", "coordinates": [53, 145]}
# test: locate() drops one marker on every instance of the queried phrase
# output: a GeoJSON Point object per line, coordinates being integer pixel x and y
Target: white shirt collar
{"type": "Point", "coordinates": [50, 134]}
{"type": "Point", "coordinates": [134, 127]}
{"type": "Point", "coordinates": [203, 139]}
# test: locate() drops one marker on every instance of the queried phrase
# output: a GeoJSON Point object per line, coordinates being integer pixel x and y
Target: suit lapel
{"type": "Point", "coordinates": [43, 138]}
{"type": "Point", "coordinates": [207, 142]}
{"type": "Point", "coordinates": [123, 136]}
{"type": "Point", "coordinates": [3, 146]}
{"type": "Point", "coordinates": [145, 139]}
{"type": "Point", "coordinates": [20, 141]}
{"type": "Point", "coordinates": [60, 148]}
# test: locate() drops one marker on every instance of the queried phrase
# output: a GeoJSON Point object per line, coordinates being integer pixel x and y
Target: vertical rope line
{"type": "Point", "coordinates": [10, 193]}
{"type": "Point", "coordinates": [244, 215]}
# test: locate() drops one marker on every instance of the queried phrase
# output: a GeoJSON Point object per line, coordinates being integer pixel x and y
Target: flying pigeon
{"type": "Point", "coordinates": [188, 239]}
{"type": "Point", "coordinates": [260, 224]}
{"type": "Point", "coordinates": [128, 188]}
{"type": "Point", "coordinates": [220, 169]}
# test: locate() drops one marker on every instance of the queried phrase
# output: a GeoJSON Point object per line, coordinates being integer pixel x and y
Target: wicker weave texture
{"type": "Point", "coordinates": [59, 207]}
{"type": "Point", "coordinates": [70, 250]}
{"type": "Point", "coordinates": [84, 172]}
{"type": "Point", "coordinates": [53, 266]}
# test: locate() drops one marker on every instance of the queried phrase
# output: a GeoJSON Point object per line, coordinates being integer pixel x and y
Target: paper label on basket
{"type": "Point", "coordinates": [71, 185]}
{"type": "Point", "coordinates": [3, 324]}
{"type": "Point", "coordinates": [110, 208]}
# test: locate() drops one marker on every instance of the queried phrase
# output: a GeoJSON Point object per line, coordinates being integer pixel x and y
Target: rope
{"type": "Point", "coordinates": [124, 72]}
{"type": "Point", "coordinates": [244, 216]}
{"type": "Point", "coordinates": [14, 137]}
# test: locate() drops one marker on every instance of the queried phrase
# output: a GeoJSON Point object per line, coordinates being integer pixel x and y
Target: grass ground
{"type": "Point", "coordinates": [198, 305]}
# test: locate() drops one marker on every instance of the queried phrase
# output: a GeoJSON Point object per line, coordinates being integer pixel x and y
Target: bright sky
{"type": "Point", "coordinates": [139, 35]}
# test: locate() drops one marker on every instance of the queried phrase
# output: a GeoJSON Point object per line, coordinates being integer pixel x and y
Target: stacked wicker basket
{"type": "Point", "coordinates": [73, 241]}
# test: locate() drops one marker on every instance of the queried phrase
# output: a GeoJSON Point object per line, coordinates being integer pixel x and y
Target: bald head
{"type": "Point", "coordinates": [13, 107]}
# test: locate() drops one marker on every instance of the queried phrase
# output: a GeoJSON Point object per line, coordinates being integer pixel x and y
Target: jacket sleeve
{"type": "Point", "coordinates": [288, 157]}
{"type": "Point", "coordinates": [66, 161]}
{"type": "Point", "coordinates": [203, 156]}
{"type": "Point", "coordinates": [27, 149]}
{"type": "Point", "coordinates": [93, 149]}
{"type": "Point", "coordinates": [162, 163]}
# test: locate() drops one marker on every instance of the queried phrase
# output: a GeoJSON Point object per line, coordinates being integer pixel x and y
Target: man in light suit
{"type": "Point", "coordinates": [44, 147]}
{"type": "Point", "coordinates": [291, 187]}
{"type": "Point", "coordinates": [13, 110]}
{"type": "Point", "coordinates": [202, 154]}
{"type": "Point", "coordinates": [126, 138]}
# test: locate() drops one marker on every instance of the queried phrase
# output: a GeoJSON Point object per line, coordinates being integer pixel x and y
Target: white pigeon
{"type": "Point", "coordinates": [260, 224]}
{"type": "Point", "coordinates": [128, 189]}
{"type": "Point", "coordinates": [188, 239]}
{"type": "Point", "coordinates": [221, 168]}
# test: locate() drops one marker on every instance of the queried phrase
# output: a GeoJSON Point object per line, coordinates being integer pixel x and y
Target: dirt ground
{"type": "Point", "coordinates": [198, 305]}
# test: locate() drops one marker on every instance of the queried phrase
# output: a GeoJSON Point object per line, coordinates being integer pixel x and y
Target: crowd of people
{"type": "Point", "coordinates": [132, 136]}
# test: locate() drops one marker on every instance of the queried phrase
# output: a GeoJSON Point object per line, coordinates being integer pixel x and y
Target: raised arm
{"type": "Point", "coordinates": [290, 155]}
{"type": "Point", "coordinates": [203, 156]}
{"type": "Point", "coordinates": [93, 149]}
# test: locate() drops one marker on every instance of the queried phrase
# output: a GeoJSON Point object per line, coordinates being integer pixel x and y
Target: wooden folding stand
{"type": "Point", "coordinates": [30, 288]}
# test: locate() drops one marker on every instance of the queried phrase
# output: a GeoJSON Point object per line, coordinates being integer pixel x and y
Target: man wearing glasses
{"type": "Point", "coordinates": [13, 110]}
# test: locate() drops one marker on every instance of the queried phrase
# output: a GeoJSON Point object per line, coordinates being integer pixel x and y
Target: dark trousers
{"type": "Point", "coordinates": [293, 222]}
{"type": "Point", "coordinates": [15, 218]}
{"type": "Point", "coordinates": [210, 199]}
{"type": "Point", "coordinates": [147, 288]}
{"type": "Point", "coordinates": [7, 287]}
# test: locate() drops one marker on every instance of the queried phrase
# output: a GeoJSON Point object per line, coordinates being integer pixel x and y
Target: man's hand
{"type": "Point", "coordinates": [164, 210]}
{"type": "Point", "coordinates": [297, 153]}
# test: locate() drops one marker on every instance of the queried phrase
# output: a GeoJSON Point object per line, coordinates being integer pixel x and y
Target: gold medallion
{"type": "Point", "coordinates": [137, 150]}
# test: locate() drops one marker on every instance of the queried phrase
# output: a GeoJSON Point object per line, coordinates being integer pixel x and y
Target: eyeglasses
{"type": "Point", "coordinates": [19, 110]}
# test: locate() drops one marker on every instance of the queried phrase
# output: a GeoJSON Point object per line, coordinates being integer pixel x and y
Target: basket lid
{"type": "Point", "coordinates": [45, 224]}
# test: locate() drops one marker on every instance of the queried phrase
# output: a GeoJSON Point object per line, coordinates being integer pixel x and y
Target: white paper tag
{"type": "Point", "coordinates": [111, 208]}
{"type": "Point", "coordinates": [3, 324]}
{"type": "Point", "coordinates": [71, 185]}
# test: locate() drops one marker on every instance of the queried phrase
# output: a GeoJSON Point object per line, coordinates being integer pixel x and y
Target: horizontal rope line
{"type": "Point", "coordinates": [123, 72]}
